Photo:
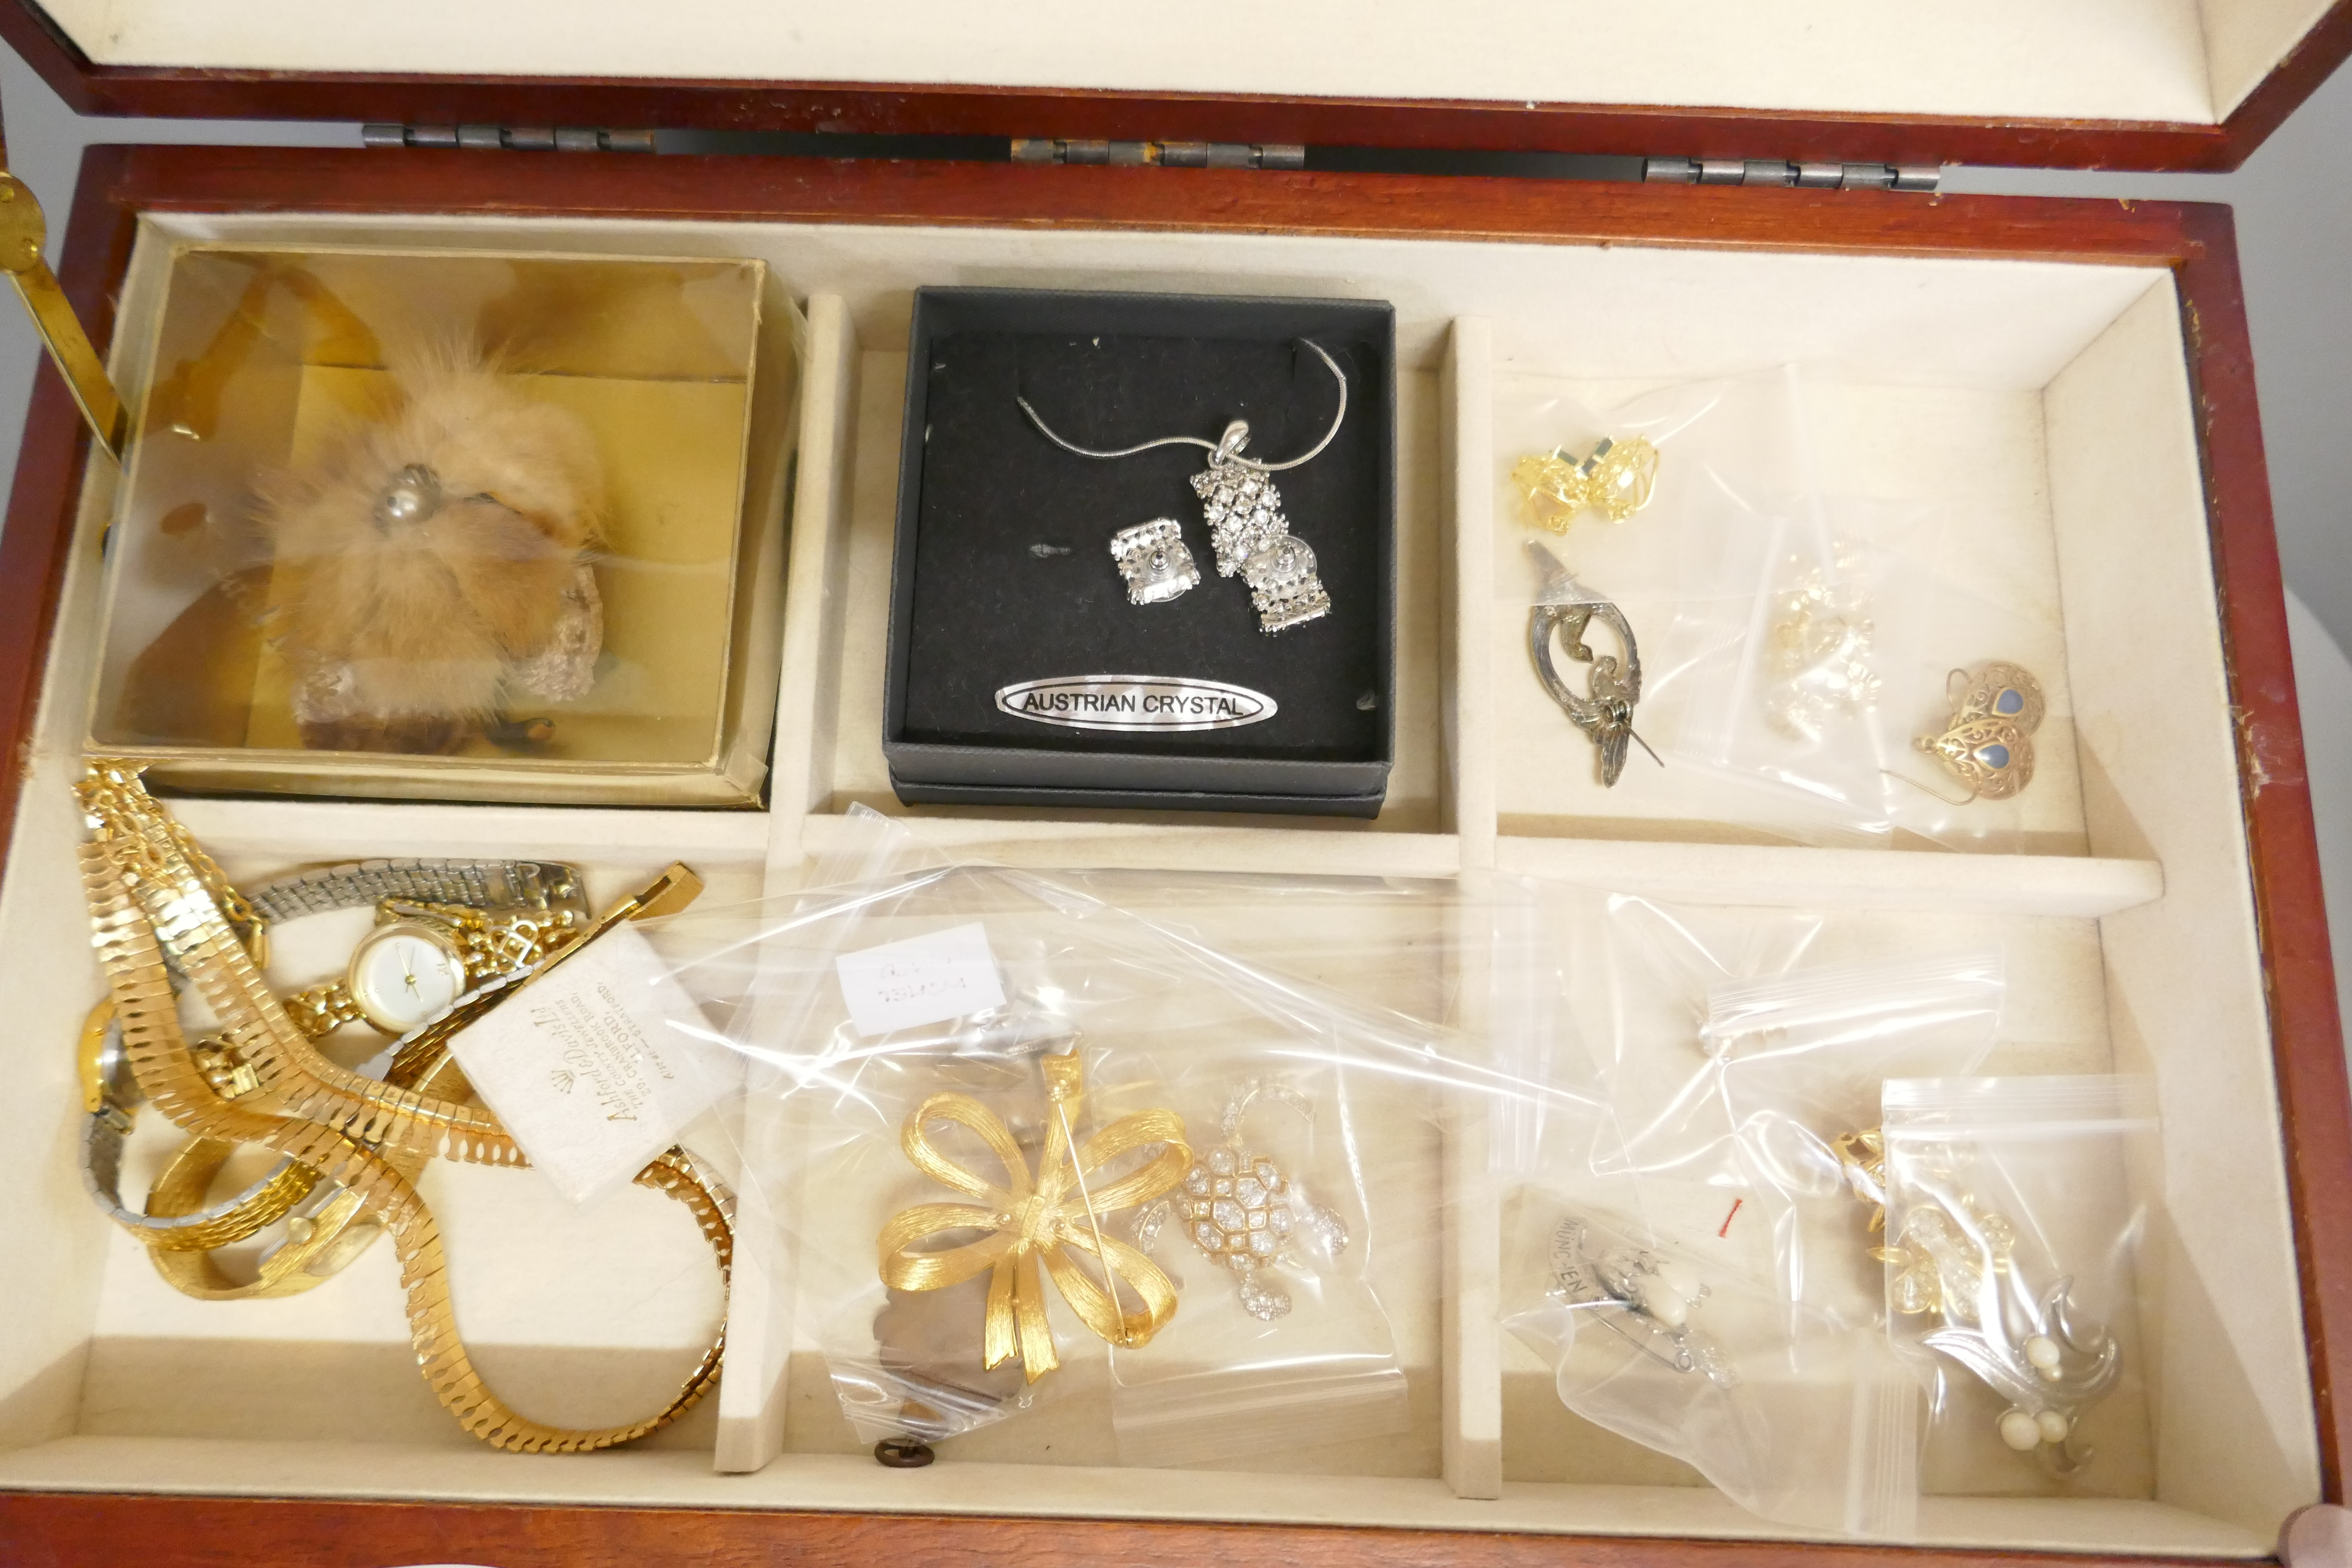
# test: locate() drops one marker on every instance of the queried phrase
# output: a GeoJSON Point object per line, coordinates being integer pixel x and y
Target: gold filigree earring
{"type": "Point", "coordinates": [1988, 744]}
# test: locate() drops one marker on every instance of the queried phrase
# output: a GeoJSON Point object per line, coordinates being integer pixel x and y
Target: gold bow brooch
{"type": "Point", "coordinates": [1029, 1222]}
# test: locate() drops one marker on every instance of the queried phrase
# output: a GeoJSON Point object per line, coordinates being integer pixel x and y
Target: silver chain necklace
{"type": "Point", "coordinates": [1242, 508]}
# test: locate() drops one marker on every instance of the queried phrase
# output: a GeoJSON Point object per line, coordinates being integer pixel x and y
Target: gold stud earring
{"type": "Point", "coordinates": [1821, 657]}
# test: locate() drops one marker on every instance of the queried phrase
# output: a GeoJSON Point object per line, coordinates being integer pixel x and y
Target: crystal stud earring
{"type": "Point", "coordinates": [1151, 556]}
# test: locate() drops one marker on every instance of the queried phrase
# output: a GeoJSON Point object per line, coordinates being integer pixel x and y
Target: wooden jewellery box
{"type": "Point", "coordinates": [2073, 373]}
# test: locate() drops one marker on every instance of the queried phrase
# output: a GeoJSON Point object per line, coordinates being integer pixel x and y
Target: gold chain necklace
{"type": "Point", "coordinates": [152, 891]}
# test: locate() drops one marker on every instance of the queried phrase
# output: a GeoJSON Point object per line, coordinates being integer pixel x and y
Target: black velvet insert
{"type": "Point", "coordinates": [1004, 570]}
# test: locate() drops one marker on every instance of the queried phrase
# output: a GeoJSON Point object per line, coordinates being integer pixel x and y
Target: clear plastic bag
{"type": "Point", "coordinates": [1967, 620]}
{"type": "Point", "coordinates": [1774, 670]}
{"type": "Point", "coordinates": [1792, 1414]}
{"type": "Point", "coordinates": [1795, 641]}
{"type": "Point", "coordinates": [1669, 991]}
{"type": "Point", "coordinates": [1730, 464]}
{"type": "Point", "coordinates": [1764, 612]}
{"type": "Point", "coordinates": [1283, 1341]}
{"type": "Point", "coordinates": [1732, 1068]}
{"type": "Point", "coordinates": [1251, 1142]}
{"type": "Point", "coordinates": [1792, 1063]}
{"type": "Point", "coordinates": [2011, 1240]}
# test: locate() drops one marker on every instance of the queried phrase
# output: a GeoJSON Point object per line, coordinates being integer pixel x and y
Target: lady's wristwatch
{"type": "Point", "coordinates": [443, 928]}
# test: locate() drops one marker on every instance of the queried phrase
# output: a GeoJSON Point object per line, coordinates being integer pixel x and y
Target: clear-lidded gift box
{"type": "Point", "coordinates": [454, 526]}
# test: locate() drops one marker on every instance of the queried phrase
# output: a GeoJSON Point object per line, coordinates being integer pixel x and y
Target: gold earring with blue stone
{"type": "Point", "coordinates": [1989, 743]}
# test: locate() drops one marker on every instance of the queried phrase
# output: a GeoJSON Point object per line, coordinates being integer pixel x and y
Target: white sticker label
{"type": "Point", "coordinates": [595, 1067]}
{"type": "Point", "coordinates": [922, 980]}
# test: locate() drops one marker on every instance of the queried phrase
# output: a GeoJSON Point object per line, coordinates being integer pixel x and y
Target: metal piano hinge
{"type": "Point", "coordinates": [514, 138]}
{"type": "Point", "coordinates": [1165, 155]}
{"type": "Point", "coordinates": [1781, 171]}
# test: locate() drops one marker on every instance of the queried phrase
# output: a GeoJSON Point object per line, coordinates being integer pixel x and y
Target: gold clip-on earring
{"type": "Point", "coordinates": [1989, 743]}
{"type": "Point", "coordinates": [1617, 480]}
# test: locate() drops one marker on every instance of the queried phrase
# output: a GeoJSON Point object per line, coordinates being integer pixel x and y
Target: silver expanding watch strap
{"type": "Point", "coordinates": [484, 884]}
{"type": "Point", "coordinates": [102, 1136]}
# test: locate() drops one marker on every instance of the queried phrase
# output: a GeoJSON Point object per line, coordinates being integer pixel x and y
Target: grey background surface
{"type": "Point", "coordinates": [2294, 207]}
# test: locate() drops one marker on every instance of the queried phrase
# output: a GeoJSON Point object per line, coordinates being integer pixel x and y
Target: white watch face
{"type": "Point", "coordinates": [405, 974]}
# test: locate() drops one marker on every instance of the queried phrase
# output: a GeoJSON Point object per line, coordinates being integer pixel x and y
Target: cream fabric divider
{"type": "Point", "coordinates": [1471, 1282]}
{"type": "Point", "coordinates": [755, 1387]}
{"type": "Point", "coordinates": [2184, 976]}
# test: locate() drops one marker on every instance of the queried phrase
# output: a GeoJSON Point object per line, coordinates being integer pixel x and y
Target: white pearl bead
{"type": "Point", "coordinates": [1662, 1303]}
{"type": "Point", "coordinates": [2020, 1431]}
{"type": "Point", "coordinates": [2043, 1351]}
{"type": "Point", "coordinates": [1679, 1279]}
{"type": "Point", "coordinates": [2053, 1424]}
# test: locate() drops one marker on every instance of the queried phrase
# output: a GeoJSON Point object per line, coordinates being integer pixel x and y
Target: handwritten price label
{"type": "Point", "coordinates": [922, 980]}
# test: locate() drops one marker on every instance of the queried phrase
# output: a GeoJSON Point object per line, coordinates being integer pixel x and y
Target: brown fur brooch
{"type": "Point", "coordinates": [432, 566]}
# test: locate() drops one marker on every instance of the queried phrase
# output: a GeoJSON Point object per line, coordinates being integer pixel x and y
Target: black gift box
{"type": "Point", "coordinates": [1003, 574]}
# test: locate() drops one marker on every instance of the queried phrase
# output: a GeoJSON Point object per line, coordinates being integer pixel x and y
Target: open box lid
{"type": "Point", "coordinates": [2143, 84]}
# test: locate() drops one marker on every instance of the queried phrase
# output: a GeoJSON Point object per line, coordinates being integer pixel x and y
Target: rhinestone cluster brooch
{"type": "Point", "coordinates": [1241, 1211]}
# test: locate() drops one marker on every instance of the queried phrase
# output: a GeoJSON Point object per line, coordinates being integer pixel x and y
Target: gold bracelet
{"type": "Point", "coordinates": [185, 1225]}
{"type": "Point", "coordinates": [180, 1230]}
{"type": "Point", "coordinates": [149, 895]}
{"type": "Point", "coordinates": [317, 1245]}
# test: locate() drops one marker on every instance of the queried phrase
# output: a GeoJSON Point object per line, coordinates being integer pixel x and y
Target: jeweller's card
{"type": "Point", "coordinates": [925, 979]}
{"type": "Point", "coordinates": [596, 1065]}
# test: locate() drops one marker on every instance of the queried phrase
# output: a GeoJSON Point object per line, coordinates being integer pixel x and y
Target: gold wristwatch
{"type": "Point", "coordinates": [443, 928]}
{"type": "Point", "coordinates": [159, 907]}
{"type": "Point", "coordinates": [429, 948]}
